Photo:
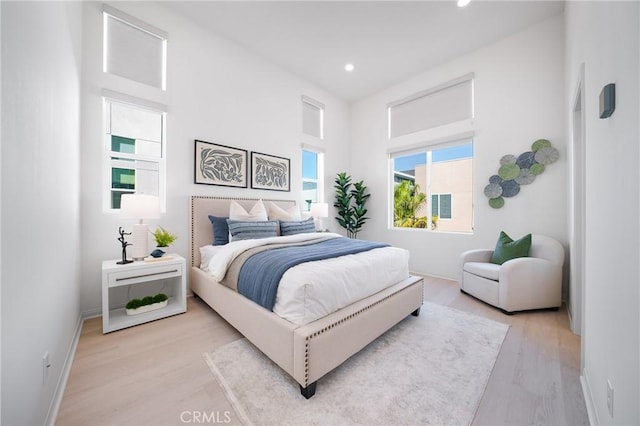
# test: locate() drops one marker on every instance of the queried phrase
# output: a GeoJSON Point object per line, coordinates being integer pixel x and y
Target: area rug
{"type": "Point", "coordinates": [430, 369]}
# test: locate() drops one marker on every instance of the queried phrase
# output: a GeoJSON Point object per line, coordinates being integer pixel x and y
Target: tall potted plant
{"type": "Point", "coordinates": [350, 203]}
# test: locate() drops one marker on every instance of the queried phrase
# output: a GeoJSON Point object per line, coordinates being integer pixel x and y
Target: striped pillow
{"type": "Point", "coordinates": [243, 230]}
{"type": "Point", "coordinates": [297, 227]}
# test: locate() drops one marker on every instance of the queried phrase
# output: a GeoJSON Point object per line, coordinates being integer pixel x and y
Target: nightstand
{"type": "Point", "coordinates": [121, 282]}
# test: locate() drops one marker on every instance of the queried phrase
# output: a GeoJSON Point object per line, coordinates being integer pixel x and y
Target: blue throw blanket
{"type": "Point", "coordinates": [260, 275]}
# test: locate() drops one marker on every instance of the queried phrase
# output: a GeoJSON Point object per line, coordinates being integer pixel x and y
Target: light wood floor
{"type": "Point", "coordinates": [154, 374]}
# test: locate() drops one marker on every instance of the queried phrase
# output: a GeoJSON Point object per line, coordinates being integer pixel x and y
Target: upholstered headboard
{"type": "Point", "coordinates": [203, 206]}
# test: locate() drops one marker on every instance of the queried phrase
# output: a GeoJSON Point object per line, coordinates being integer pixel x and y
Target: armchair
{"type": "Point", "coordinates": [521, 284]}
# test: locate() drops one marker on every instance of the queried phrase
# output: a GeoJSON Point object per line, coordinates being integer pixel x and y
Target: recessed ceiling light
{"type": "Point", "coordinates": [463, 3]}
{"type": "Point", "coordinates": [349, 67]}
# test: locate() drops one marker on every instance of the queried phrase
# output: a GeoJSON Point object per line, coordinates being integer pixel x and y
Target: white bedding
{"type": "Point", "coordinates": [313, 290]}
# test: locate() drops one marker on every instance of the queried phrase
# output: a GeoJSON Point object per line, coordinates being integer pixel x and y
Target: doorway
{"type": "Point", "coordinates": [578, 210]}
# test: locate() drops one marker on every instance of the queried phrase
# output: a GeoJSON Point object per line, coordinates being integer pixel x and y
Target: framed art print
{"type": "Point", "coordinates": [220, 165]}
{"type": "Point", "coordinates": [270, 172]}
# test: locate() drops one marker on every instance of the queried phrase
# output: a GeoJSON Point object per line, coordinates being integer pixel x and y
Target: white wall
{"type": "Point", "coordinates": [217, 92]}
{"type": "Point", "coordinates": [604, 36]}
{"type": "Point", "coordinates": [519, 91]}
{"type": "Point", "coordinates": [40, 201]}
{"type": "Point", "coordinates": [0, 223]}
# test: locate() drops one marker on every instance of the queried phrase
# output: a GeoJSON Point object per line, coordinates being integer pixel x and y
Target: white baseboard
{"type": "Point", "coordinates": [588, 399]}
{"type": "Point", "coordinates": [424, 274]}
{"type": "Point", "coordinates": [92, 313]}
{"type": "Point", "coordinates": [54, 407]}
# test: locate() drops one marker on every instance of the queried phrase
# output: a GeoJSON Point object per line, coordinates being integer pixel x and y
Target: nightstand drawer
{"type": "Point", "coordinates": [148, 273]}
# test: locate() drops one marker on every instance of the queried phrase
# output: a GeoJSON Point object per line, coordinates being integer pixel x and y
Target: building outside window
{"type": "Point", "coordinates": [433, 188]}
{"type": "Point", "coordinates": [134, 151]}
{"type": "Point", "coordinates": [312, 154]}
{"type": "Point", "coordinates": [441, 206]}
{"type": "Point", "coordinates": [312, 166]}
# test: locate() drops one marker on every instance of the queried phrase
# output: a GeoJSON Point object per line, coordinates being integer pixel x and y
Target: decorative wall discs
{"type": "Point", "coordinates": [521, 170]}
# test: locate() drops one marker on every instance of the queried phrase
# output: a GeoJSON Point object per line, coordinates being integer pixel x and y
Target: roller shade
{"type": "Point", "coordinates": [432, 108]}
{"type": "Point", "coordinates": [312, 117]}
{"type": "Point", "coordinates": [133, 51]}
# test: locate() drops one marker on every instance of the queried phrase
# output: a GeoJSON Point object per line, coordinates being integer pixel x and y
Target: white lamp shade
{"type": "Point", "coordinates": [139, 206]}
{"type": "Point", "coordinates": [319, 210]}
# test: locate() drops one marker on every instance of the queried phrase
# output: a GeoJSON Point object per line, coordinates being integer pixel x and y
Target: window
{"type": "Point", "coordinates": [447, 103]}
{"type": "Point", "coordinates": [134, 150]}
{"type": "Point", "coordinates": [312, 166]}
{"type": "Point", "coordinates": [312, 117]}
{"type": "Point", "coordinates": [440, 175]}
{"type": "Point", "coordinates": [134, 49]}
{"type": "Point", "coordinates": [312, 157]}
{"type": "Point", "coordinates": [441, 206]}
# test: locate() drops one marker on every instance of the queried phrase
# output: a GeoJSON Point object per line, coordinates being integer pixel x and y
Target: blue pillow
{"type": "Point", "coordinates": [293, 227]}
{"type": "Point", "coordinates": [244, 230]}
{"type": "Point", "coordinates": [220, 230]}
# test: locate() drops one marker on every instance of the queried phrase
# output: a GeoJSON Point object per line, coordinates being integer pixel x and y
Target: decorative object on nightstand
{"type": "Point", "coordinates": [157, 253]}
{"type": "Point", "coordinates": [140, 207]}
{"type": "Point", "coordinates": [319, 211]}
{"type": "Point", "coordinates": [146, 304]}
{"type": "Point", "coordinates": [158, 258]}
{"type": "Point", "coordinates": [124, 260]}
{"type": "Point", "coordinates": [121, 280]}
{"type": "Point", "coordinates": [163, 238]}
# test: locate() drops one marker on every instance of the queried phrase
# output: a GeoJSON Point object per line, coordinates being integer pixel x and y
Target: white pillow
{"type": "Point", "coordinates": [206, 253]}
{"type": "Point", "coordinates": [257, 213]}
{"type": "Point", "coordinates": [278, 213]}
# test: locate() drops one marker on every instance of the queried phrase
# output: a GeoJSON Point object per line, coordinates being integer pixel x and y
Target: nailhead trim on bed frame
{"type": "Point", "coordinates": [341, 321]}
{"type": "Point", "coordinates": [317, 333]}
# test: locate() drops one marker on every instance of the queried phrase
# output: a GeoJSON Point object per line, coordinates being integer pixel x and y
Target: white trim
{"type": "Point", "coordinates": [134, 101]}
{"type": "Point", "coordinates": [577, 210]}
{"type": "Point", "coordinates": [312, 148]}
{"type": "Point", "coordinates": [588, 399]}
{"type": "Point", "coordinates": [415, 148]}
{"type": "Point", "coordinates": [56, 402]}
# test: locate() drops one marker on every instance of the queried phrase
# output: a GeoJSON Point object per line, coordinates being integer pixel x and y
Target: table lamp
{"type": "Point", "coordinates": [318, 211]}
{"type": "Point", "coordinates": [140, 207]}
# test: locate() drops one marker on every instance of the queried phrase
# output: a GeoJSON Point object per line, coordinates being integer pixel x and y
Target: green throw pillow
{"type": "Point", "coordinates": [507, 249]}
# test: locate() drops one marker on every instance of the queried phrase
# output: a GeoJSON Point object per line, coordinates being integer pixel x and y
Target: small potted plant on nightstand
{"type": "Point", "coordinates": [146, 304]}
{"type": "Point", "coordinates": [163, 238]}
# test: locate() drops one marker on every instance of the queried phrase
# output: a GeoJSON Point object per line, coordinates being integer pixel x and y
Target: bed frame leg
{"type": "Point", "coordinates": [416, 312]}
{"type": "Point", "coordinates": [309, 391]}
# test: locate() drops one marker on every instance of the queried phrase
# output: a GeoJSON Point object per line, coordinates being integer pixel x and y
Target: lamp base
{"type": "Point", "coordinates": [140, 239]}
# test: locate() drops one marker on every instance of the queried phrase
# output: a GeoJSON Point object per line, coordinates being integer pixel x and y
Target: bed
{"type": "Point", "coordinates": [305, 351]}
